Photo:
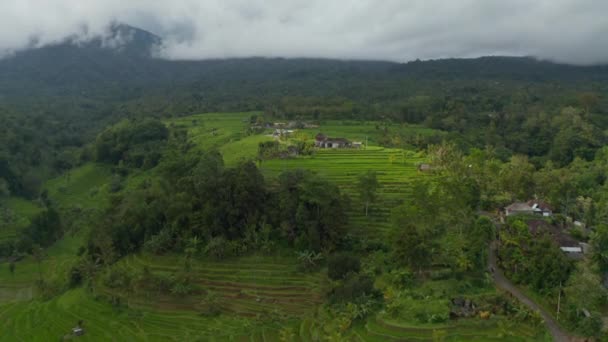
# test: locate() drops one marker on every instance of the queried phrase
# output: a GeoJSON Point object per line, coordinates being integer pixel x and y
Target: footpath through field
{"type": "Point", "coordinates": [505, 284]}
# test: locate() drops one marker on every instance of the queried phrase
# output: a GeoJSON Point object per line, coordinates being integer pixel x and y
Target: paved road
{"type": "Point", "coordinates": [505, 284]}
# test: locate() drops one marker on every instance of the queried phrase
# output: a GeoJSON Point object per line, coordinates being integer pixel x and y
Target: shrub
{"type": "Point", "coordinates": [117, 278]}
{"type": "Point", "coordinates": [590, 326]}
{"type": "Point", "coordinates": [75, 277]}
{"type": "Point", "coordinates": [426, 310]}
{"type": "Point", "coordinates": [216, 248]}
{"type": "Point", "coordinates": [181, 288]}
{"type": "Point", "coordinates": [309, 260]}
{"type": "Point", "coordinates": [115, 184]}
{"type": "Point", "coordinates": [402, 278]}
{"type": "Point", "coordinates": [211, 304]}
{"type": "Point", "coordinates": [159, 243]}
{"type": "Point", "coordinates": [340, 265]}
{"type": "Point", "coordinates": [352, 288]}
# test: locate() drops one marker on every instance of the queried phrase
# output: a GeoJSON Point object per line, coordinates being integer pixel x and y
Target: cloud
{"type": "Point", "coordinates": [572, 31]}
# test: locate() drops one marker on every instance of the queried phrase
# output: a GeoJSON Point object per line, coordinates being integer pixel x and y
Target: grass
{"type": "Point", "coordinates": [243, 149]}
{"type": "Point", "coordinates": [21, 211]}
{"type": "Point", "coordinates": [85, 187]}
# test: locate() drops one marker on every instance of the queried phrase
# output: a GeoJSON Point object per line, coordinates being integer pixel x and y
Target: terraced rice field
{"type": "Point", "coordinates": [51, 320]}
{"type": "Point", "coordinates": [396, 170]}
{"type": "Point", "coordinates": [255, 287]}
{"type": "Point", "coordinates": [495, 329]}
{"type": "Point", "coordinates": [257, 295]}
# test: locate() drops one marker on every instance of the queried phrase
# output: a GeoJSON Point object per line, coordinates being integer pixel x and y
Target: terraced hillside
{"type": "Point", "coordinates": [51, 320]}
{"type": "Point", "coordinates": [257, 296]}
{"type": "Point", "coordinates": [376, 329]}
{"type": "Point", "coordinates": [83, 187]}
{"type": "Point", "coordinates": [396, 170]}
{"type": "Point", "coordinates": [253, 286]}
{"type": "Point", "coordinates": [226, 132]}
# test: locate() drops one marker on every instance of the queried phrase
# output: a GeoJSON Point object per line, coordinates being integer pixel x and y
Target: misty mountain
{"type": "Point", "coordinates": [127, 58]}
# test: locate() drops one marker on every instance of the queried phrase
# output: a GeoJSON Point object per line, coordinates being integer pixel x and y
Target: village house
{"type": "Point", "coordinates": [323, 141]}
{"type": "Point", "coordinates": [529, 208]}
{"type": "Point", "coordinates": [573, 248]}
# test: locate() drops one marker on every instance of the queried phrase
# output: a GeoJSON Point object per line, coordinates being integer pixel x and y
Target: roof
{"type": "Point", "coordinates": [338, 140]}
{"type": "Point", "coordinates": [572, 249]}
{"type": "Point", "coordinates": [540, 205]}
{"type": "Point", "coordinates": [320, 137]}
{"type": "Point", "coordinates": [519, 206]}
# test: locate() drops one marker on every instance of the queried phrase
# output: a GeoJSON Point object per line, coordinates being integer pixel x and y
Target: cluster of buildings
{"type": "Point", "coordinates": [570, 246]}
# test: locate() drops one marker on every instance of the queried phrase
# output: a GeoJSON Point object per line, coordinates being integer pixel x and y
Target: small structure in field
{"type": "Point", "coordinates": [323, 141]}
{"type": "Point", "coordinates": [424, 167]}
{"type": "Point", "coordinates": [279, 132]}
{"type": "Point", "coordinates": [357, 144]}
{"type": "Point", "coordinates": [529, 208]}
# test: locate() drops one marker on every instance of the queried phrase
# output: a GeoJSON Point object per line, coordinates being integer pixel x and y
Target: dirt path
{"type": "Point", "coordinates": [505, 284]}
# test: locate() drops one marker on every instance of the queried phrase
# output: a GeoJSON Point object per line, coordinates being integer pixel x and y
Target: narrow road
{"type": "Point", "coordinates": [505, 284]}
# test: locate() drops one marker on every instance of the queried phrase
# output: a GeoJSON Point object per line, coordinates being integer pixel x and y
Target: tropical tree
{"type": "Point", "coordinates": [368, 186]}
{"type": "Point", "coordinates": [599, 243]}
{"type": "Point", "coordinates": [11, 267]}
{"type": "Point", "coordinates": [4, 188]}
{"type": "Point", "coordinates": [413, 245]}
{"type": "Point", "coordinates": [584, 289]}
{"type": "Point", "coordinates": [39, 255]}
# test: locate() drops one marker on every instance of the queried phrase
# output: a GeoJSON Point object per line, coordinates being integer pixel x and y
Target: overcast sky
{"type": "Point", "coordinates": [573, 31]}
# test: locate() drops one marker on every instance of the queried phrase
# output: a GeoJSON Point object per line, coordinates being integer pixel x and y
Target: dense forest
{"type": "Point", "coordinates": [517, 105]}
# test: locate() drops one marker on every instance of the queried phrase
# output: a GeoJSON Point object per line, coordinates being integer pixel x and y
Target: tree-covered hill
{"type": "Point", "coordinates": [55, 99]}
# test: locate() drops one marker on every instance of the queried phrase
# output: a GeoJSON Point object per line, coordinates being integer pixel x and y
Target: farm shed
{"type": "Point", "coordinates": [529, 208]}
{"type": "Point", "coordinates": [323, 141]}
{"type": "Point", "coordinates": [425, 167]}
{"type": "Point", "coordinates": [519, 208]}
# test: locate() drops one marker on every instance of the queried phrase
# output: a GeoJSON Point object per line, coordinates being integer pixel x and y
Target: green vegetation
{"type": "Point", "coordinates": [125, 211]}
{"type": "Point", "coordinates": [205, 275]}
{"type": "Point", "coordinates": [16, 215]}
